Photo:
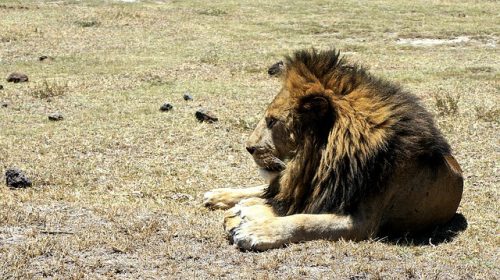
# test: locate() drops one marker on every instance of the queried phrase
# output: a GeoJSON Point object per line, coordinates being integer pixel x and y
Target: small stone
{"type": "Point", "coordinates": [205, 116]}
{"type": "Point", "coordinates": [188, 97]}
{"type": "Point", "coordinates": [15, 178]}
{"type": "Point", "coordinates": [17, 78]}
{"type": "Point", "coordinates": [166, 107]}
{"type": "Point", "coordinates": [43, 57]}
{"type": "Point", "coordinates": [1, 87]}
{"type": "Point", "coordinates": [276, 69]}
{"type": "Point", "coordinates": [4, 104]}
{"type": "Point", "coordinates": [56, 117]}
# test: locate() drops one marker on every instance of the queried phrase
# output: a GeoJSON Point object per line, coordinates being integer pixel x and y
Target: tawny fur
{"type": "Point", "coordinates": [349, 155]}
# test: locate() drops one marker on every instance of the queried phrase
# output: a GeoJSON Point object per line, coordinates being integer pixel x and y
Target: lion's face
{"type": "Point", "coordinates": [294, 112]}
{"type": "Point", "coordinates": [272, 142]}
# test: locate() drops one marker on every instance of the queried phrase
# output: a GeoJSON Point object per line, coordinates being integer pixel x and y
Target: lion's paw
{"type": "Point", "coordinates": [246, 210]}
{"type": "Point", "coordinates": [232, 219]}
{"type": "Point", "coordinates": [219, 199]}
{"type": "Point", "coordinates": [252, 225]}
{"type": "Point", "coordinates": [261, 234]}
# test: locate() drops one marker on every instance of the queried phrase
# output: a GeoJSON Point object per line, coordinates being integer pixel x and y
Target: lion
{"type": "Point", "coordinates": [347, 156]}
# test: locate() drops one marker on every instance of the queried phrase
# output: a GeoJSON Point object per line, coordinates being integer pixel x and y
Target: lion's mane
{"type": "Point", "coordinates": [350, 152]}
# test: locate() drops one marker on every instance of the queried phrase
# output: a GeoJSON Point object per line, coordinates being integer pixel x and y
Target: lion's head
{"type": "Point", "coordinates": [334, 133]}
{"type": "Point", "coordinates": [273, 141]}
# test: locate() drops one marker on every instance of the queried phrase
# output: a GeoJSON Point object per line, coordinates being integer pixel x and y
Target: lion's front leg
{"type": "Point", "coordinates": [256, 227]}
{"type": "Point", "coordinates": [226, 198]}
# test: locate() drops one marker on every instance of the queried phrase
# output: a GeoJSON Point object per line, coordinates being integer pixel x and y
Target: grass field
{"type": "Point", "coordinates": [117, 184]}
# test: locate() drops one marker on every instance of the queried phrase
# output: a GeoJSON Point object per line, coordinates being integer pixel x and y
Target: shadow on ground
{"type": "Point", "coordinates": [441, 234]}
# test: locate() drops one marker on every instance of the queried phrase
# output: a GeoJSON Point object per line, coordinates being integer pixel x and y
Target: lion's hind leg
{"type": "Point", "coordinates": [225, 198]}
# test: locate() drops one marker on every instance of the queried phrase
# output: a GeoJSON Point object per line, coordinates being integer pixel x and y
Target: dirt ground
{"type": "Point", "coordinates": [117, 184]}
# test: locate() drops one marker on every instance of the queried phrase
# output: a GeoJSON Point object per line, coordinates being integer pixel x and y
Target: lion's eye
{"type": "Point", "coordinates": [270, 122]}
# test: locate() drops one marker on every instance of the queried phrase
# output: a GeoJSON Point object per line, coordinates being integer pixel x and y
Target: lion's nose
{"type": "Point", "coordinates": [251, 150]}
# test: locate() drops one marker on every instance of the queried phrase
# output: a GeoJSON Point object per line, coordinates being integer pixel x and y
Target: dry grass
{"type": "Point", "coordinates": [48, 89]}
{"type": "Point", "coordinates": [447, 105]}
{"type": "Point", "coordinates": [117, 184]}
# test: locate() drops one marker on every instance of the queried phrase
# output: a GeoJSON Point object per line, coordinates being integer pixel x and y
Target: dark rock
{"type": "Point", "coordinates": [166, 107]}
{"type": "Point", "coordinates": [4, 104]}
{"type": "Point", "coordinates": [188, 97]}
{"type": "Point", "coordinates": [43, 57]}
{"type": "Point", "coordinates": [56, 117]}
{"type": "Point", "coordinates": [15, 178]}
{"type": "Point", "coordinates": [17, 78]}
{"type": "Point", "coordinates": [276, 69]}
{"type": "Point", "coordinates": [205, 116]}
{"type": "Point", "coordinates": [1, 87]}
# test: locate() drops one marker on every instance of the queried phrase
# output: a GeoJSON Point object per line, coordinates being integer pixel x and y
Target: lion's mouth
{"type": "Point", "coordinates": [270, 167]}
{"type": "Point", "coordinates": [274, 165]}
{"type": "Point", "coordinates": [273, 168]}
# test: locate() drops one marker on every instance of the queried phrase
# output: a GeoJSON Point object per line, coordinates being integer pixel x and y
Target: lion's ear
{"type": "Point", "coordinates": [315, 105]}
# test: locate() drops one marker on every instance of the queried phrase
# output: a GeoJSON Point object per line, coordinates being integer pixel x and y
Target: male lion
{"type": "Point", "coordinates": [347, 155]}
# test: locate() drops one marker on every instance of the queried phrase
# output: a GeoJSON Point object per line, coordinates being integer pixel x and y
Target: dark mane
{"type": "Point", "coordinates": [329, 68]}
{"type": "Point", "coordinates": [351, 151]}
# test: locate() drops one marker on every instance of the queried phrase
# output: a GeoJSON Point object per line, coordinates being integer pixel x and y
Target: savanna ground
{"type": "Point", "coordinates": [118, 184]}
